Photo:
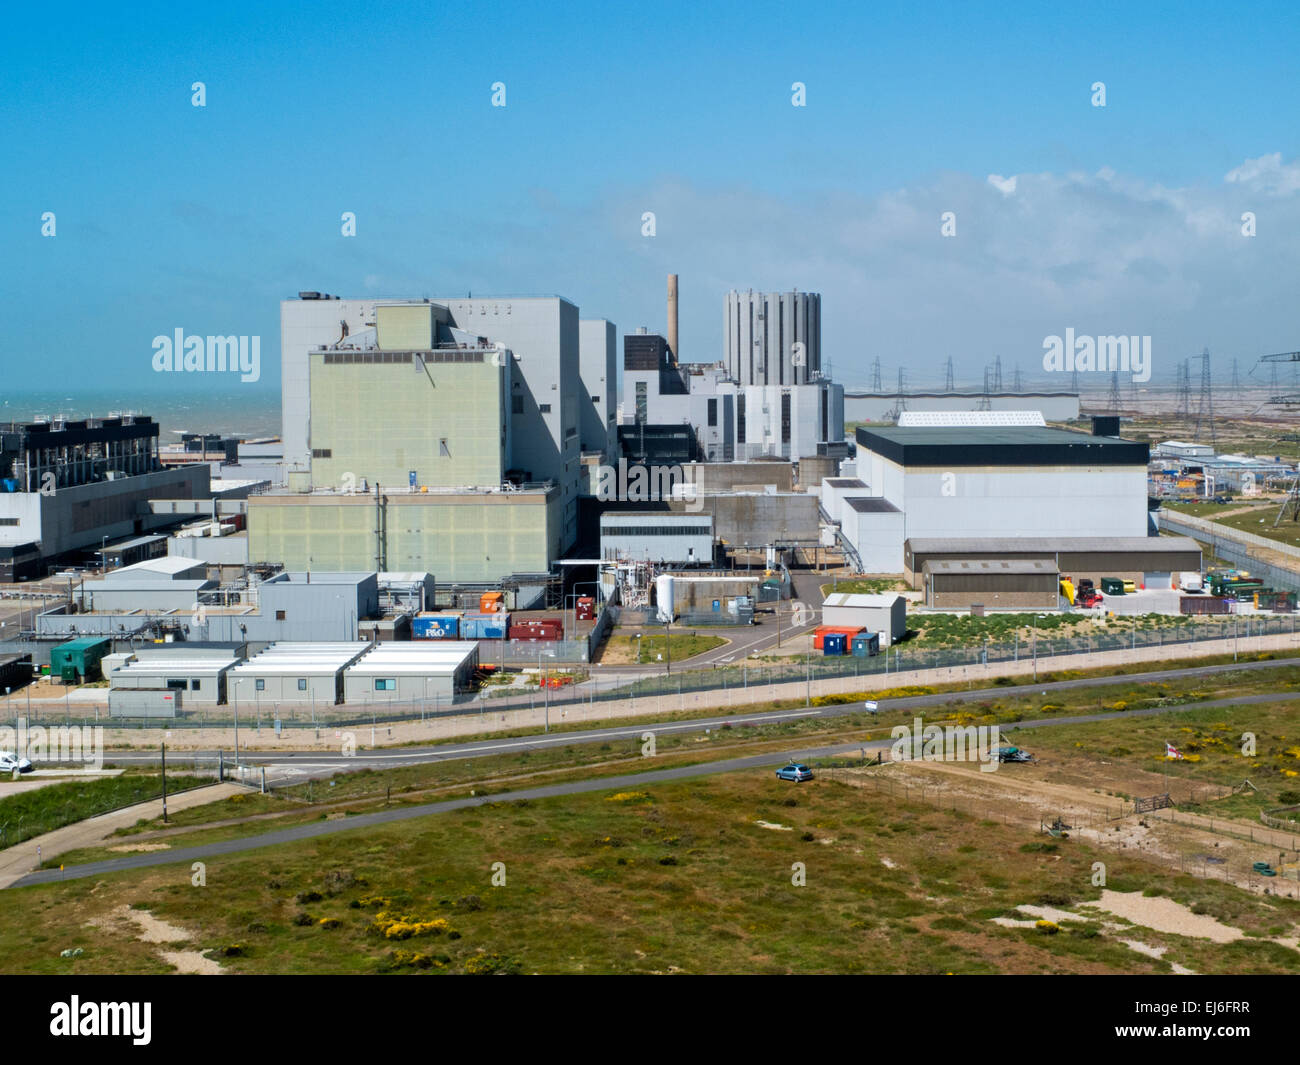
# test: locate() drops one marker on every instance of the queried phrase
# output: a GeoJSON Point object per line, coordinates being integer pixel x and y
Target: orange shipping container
{"type": "Point", "coordinates": [848, 630]}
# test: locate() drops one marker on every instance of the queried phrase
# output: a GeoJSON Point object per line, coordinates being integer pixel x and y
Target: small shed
{"type": "Point", "coordinates": [78, 660]}
{"type": "Point", "coordinates": [876, 612]}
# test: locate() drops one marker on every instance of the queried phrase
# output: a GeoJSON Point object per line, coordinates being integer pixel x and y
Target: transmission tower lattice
{"type": "Point", "coordinates": [1205, 404]}
{"type": "Point", "coordinates": [1112, 404]}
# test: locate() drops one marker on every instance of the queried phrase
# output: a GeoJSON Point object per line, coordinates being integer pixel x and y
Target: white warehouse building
{"type": "Point", "coordinates": [1006, 482]}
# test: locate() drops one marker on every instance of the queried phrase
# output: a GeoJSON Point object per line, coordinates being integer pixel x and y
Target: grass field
{"type": "Point", "coordinates": [623, 650]}
{"type": "Point", "coordinates": [681, 877]}
{"type": "Point", "coordinates": [860, 585]}
{"type": "Point", "coordinates": [367, 789]}
{"type": "Point", "coordinates": [33, 813]}
{"type": "Point", "coordinates": [965, 630]}
{"type": "Point", "coordinates": [1258, 520]}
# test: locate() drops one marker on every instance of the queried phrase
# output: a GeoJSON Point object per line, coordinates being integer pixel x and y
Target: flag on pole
{"type": "Point", "coordinates": [1173, 753]}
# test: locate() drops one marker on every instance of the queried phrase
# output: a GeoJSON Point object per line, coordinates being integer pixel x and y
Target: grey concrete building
{"type": "Point", "coordinates": [773, 338]}
{"type": "Point", "coordinates": [598, 385]}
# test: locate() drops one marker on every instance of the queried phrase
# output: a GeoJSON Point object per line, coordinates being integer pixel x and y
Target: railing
{"type": "Point", "coordinates": [725, 679]}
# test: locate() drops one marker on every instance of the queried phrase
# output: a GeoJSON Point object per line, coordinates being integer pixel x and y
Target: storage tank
{"type": "Point", "coordinates": [664, 596]}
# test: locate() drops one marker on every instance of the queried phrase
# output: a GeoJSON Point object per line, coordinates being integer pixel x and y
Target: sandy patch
{"type": "Point", "coordinates": [773, 826]}
{"type": "Point", "coordinates": [191, 962]}
{"type": "Point", "coordinates": [130, 847]}
{"type": "Point", "coordinates": [888, 864]}
{"type": "Point", "coordinates": [1165, 915]}
{"type": "Point", "coordinates": [151, 929]}
{"type": "Point", "coordinates": [1144, 948]}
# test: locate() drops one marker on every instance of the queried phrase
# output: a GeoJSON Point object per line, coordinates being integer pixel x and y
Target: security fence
{"type": "Point", "coordinates": [731, 683]}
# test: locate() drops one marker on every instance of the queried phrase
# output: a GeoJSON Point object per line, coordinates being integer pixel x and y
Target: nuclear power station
{"type": "Point", "coordinates": [773, 338]}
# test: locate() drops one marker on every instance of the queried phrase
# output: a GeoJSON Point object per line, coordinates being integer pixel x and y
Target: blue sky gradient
{"type": "Point", "coordinates": [1123, 219]}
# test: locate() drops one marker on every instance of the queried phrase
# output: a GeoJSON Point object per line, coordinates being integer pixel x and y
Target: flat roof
{"type": "Point", "coordinates": [654, 516]}
{"type": "Point", "coordinates": [134, 542]}
{"type": "Point", "coordinates": [862, 599]}
{"type": "Point", "coordinates": [1003, 445]}
{"type": "Point", "coordinates": [927, 545]}
{"type": "Point", "coordinates": [300, 658]}
{"type": "Point", "coordinates": [431, 658]}
{"type": "Point", "coordinates": [82, 643]}
{"type": "Point", "coordinates": [989, 565]}
{"type": "Point", "coordinates": [157, 568]}
{"type": "Point", "coordinates": [871, 504]}
{"type": "Point", "coordinates": [200, 665]}
{"type": "Point", "coordinates": [844, 482]}
{"type": "Point", "coordinates": [319, 577]}
{"type": "Point", "coordinates": [145, 583]}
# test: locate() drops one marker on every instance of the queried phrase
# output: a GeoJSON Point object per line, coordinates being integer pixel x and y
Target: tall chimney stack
{"type": "Point", "coordinates": [672, 317]}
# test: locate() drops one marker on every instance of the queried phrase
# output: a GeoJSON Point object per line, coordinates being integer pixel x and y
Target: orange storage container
{"type": "Point", "coordinates": [848, 630]}
{"type": "Point", "coordinates": [490, 602]}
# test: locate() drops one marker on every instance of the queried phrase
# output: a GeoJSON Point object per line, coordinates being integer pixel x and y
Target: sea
{"type": "Point", "coordinates": [241, 413]}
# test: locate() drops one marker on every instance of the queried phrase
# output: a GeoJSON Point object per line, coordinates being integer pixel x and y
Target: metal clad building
{"type": "Point", "coordinates": [1139, 558]}
{"type": "Point", "coordinates": [293, 673]}
{"type": "Point", "coordinates": [880, 612]}
{"type": "Point", "coordinates": [199, 673]}
{"type": "Point", "coordinates": [657, 536]}
{"type": "Point", "coordinates": [433, 670]}
{"type": "Point", "coordinates": [1004, 482]}
{"type": "Point", "coordinates": [996, 584]}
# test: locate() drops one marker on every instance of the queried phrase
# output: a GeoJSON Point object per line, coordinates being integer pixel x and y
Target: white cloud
{"type": "Point", "coordinates": [1103, 252]}
{"type": "Point", "coordinates": [1267, 174]}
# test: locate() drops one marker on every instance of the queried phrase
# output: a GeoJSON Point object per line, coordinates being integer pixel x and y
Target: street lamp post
{"type": "Point", "coordinates": [237, 683]}
{"type": "Point", "coordinates": [546, 692]}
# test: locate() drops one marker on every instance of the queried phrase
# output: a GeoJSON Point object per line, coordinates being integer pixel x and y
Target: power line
{"type": "Point", "coordinates": [1205, 403]}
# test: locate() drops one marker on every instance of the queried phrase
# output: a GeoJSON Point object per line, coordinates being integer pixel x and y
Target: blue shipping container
{"type": "Point", "coordinates": [435, 627]}
{"type": "Point", "coordinates": [479, 626]}
{"type": "Point", "coordinates": [866, 644]}
{"type": "Point", "coordinates": [834, 643]}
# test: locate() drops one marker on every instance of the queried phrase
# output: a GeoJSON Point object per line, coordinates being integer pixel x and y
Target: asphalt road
{"type": "Point", "coordinates": [306, 764]}
{"type": "Point", "coordinates": [633, 780]}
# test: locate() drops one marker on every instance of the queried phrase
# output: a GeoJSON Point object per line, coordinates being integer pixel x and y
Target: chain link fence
{"type": "Point", "coordinates": [728, 680]}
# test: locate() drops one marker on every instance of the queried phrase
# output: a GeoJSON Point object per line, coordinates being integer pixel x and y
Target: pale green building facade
{"type": "Point", "coordinates": [457, 536]}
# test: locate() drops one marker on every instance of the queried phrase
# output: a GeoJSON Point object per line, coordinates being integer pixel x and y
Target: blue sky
{"type": "Point", "coordinates": [1122, 219]}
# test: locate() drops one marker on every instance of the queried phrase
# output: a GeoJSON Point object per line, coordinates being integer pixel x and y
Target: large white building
{"type": "Point", "coordinates": [1005, 482]}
